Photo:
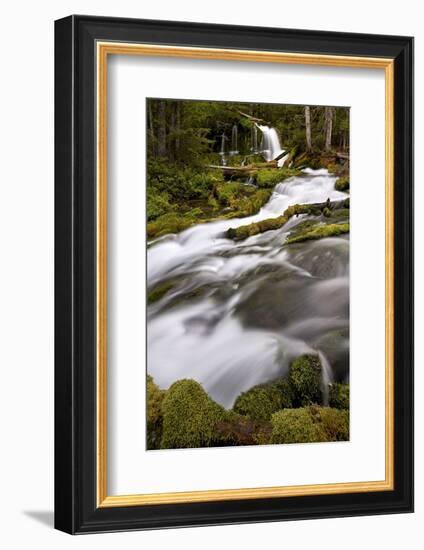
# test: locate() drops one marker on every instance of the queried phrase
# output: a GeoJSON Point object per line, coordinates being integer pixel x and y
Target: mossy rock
{"type": "Point", "coordinates": [261, 401]}
{"type": "Point", "coordinates": [269, 224]}
{"type": "Point", "coordinates": [309, 425]}
{"type": "Point", "coordinates": [189, 416]}
{"type": "Point", "coordinates": [342, 184]}
{"type": "Point", "coordinates": [241, 430]}
{"type": "Point", "coordinates": [332, 424]}
{"type": "Point", "coordinates": [172, 222]}
{"type": "Point", "coordinates": [334, 344]}
{"type": "Point", "coordinates": [269, 177]}
{"type": "Point", "coordinates": [293, 426]}
{"type": "Point", "coordinates": [305, 378]}
{"type": "Point", "coordinates": [320, 232]}
{"type": "Point", "coordinates": [338, 396]}
{"type": "Point", "coordinates": [159, 292]}
{"type": "Point", "coordinates": [155, 397]}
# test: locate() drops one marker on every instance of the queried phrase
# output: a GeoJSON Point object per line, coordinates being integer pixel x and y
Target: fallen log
{"type": "Point", "coordinates": [249, 169]}
{"type": "Point", "coordinates": [316, 209]}
{"type": "Point", "coordinates": [343, 156]}
{"type": "Point", "coordinates": [250, 117]}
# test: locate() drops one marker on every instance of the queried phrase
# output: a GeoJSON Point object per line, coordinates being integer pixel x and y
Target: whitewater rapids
{"type": "Point", "coordinates": [237, 313]}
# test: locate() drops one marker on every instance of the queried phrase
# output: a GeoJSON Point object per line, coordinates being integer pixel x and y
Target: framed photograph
{"type": "Point", "coordinates": [234, 274]}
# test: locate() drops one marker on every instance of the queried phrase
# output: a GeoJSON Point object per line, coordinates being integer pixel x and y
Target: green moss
{"type": "Point", "coordinates": [155, 398]}
{"type": "Point", "coordinates": [305, 378]}
{"type": "Point", "coordinates": [309, 425]}
{"type": "Point", "coordinates": [159, 292]}
{"type": "Point", "coordinates": [189, 416]}
{"type": "Point", "coordinates": [271, 176]}
{"type": "Point", "coordinates": [157, 204]}
{"type": "Point", "coordinates": [244, 231]}
{"type": "Point", "coordinates": [320, 232]}
{"type": "Point", "coordinates": [236, 429]}
{"type": "Point", "coordinates": [339, 396]}
{"type": "Point", "coordinates": [342, 184]}
{"type": "Point", "coordinates": [333, 424]}
{"type": "Point", "coordinates": [340, 213]}
{"type": "Point", "coordinates": [169, 223]}
{"type": "Point", "coordinates": [261, 401]}
{"type": "Point", "coordinates": [244, 200]}
{"type": "Point", "coordinates": [293, 426]}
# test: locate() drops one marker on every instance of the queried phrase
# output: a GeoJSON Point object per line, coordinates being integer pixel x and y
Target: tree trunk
{"type": "Point", "coordinates": [328, 126]}
{"type": "Point", "coordinates": [308, 127]}
{"type": "Point", "coordinates": [177, 138]}
{"type": "Point", "coordinates": [162, 129]}
{"type": "Point", "coordinates": [171, 134]}
{"type": "Point", "coordinates": [151, 125]}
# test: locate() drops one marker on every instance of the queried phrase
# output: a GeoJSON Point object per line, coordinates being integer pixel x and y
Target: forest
{"type": "Point", "coordinates": [247, 274]}
{"type": "Point", "coordinates": [185, 138]}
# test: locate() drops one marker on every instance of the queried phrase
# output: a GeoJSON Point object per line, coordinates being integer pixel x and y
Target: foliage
{"type": "Point", "coordinates": [339, 396]}
{"type": "Point", "coordinates": [157, 204]}
{"type": "Point", "coordinates": [305, 377]}
{"type": "Point", "coordinates": [155, 398]}
{"type": "Point", "coordinates": [189, 416]}
{"type": "Point", "coordinates": [261, 401]}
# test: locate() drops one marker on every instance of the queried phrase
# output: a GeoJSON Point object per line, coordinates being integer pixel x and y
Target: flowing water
{"type": "Point", "coordinates": [237, 313]}
{"type": "Point", "coordinates": [271, 148]}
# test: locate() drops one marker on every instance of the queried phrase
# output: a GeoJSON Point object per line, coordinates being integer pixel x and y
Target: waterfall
{"type": "Point", "coordinates": [271, 148]}
{"type": "Point", "coordinates": [223, 143]}
{"type": "Point", "coordinates": [234, 136]}
{"type": "Point", "coordinates": [222, 152]}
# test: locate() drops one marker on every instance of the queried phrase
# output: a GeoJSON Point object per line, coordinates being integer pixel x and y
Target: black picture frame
{"type": "Point", "coordinates": [76, 510]}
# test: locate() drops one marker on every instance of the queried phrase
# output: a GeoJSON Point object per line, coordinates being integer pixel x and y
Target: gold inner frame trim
{"type": "Point", "coordinates": [104, 49]}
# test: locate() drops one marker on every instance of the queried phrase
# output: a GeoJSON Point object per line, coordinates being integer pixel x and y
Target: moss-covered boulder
{"type": "Point", "coordinates": [155, 397]}
{"type": "Point", "coordinates": [338, 396]}
{"type": "Point", "coordinates": [189, 416]}
{"type": "Point", "coordinates": [342, 183]}
{"type": "Point", "coordinates": [305, 378]}
{"type": "Point", "coordinates": [309, 425]}
{"type": "Point", "coordinates": [271, 176]}
{"type": "Point", "coordinates": [173, 222]}
{"type": "Point", "coordinates": [261, 401]}
{"type": "Point", "coordinates": [320, 232]}
{"type": "Point", "coordinates": [293, 426]}
{"type": "Point", "coordinates": [333, 424]}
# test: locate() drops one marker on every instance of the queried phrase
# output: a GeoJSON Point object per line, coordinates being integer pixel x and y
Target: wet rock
{"type": "Point", "coordinates": [261, 401]}
{"type": "Point", "coordinates": [323, 259]}
{"type": "Point", "coordinates": [334, 345]}
{"type": "Point", "coordinates": [305, 379]}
